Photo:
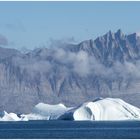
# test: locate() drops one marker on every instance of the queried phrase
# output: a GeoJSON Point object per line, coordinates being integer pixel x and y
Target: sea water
{"type": "Point", "coordinates": [70, 129]}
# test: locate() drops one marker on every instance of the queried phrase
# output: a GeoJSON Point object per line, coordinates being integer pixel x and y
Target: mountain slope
{"type": "Point", "coordinates": [72, 74]}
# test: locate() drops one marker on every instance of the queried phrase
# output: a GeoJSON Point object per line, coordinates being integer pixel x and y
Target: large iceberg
{"type": "Point", "coordinates": [46, 112]}
{"type": "Point", "coordinates": [103, 109]}
{"type": "Point", "coordinates": [100, 109]}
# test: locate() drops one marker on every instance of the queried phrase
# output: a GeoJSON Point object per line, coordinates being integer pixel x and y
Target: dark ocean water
{"type": "Point", "coordinates": [70, 129]}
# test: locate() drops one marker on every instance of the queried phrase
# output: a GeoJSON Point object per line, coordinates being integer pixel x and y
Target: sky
{"type": "Point", "coordinates": [36, 24]}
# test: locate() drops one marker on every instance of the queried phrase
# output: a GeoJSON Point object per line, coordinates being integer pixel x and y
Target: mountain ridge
{"type": "Point", "coordinates": [72, 74]}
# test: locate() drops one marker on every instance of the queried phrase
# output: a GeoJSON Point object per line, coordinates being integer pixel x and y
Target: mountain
{"type": "Point", "coordinates": [72, 74]}
{"type": "Point", "coordinates": [7, 52]}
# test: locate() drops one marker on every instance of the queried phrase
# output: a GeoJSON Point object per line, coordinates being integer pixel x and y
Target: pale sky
{"type": "Point", "coordinates": [34, 24]}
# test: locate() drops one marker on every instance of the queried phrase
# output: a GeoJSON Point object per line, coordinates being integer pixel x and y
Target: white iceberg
{"type": "Point", "coordinates": [105, 109]}
{"type": "Point", "coordinates": [9, 117]}
{"type": "Point", "coordinates": [46, 112]}
{"type": "Point", "coordinates": [101, 109]}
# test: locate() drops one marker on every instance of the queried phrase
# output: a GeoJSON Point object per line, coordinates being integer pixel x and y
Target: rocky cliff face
{"type": "Point", "coordinates": [108, 66]}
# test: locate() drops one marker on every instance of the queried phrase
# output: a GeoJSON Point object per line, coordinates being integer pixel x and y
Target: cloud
{"type": "Point", "coordinates": [3, 40]}
{"type": "Point", "coordinates": [84, 65]}
{"type": "Point", "coordinates": [138, 33]}
{"type": "Point", "coordinates": [78, 62]}
{"type": "Point", "coordinates": [63, 62]}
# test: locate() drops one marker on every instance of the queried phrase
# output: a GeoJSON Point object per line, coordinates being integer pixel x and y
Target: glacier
{"type": "Point", "coordinates": [107, 109]}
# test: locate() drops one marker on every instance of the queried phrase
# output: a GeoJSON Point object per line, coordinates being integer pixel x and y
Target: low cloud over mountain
{"type": "Point", "coordinates": [3, 40]}
{"type": "Point", "coordinates": [108, 66]}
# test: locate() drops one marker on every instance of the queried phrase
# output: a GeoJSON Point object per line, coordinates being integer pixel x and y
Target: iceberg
{"type": "Point", "coordinates": [9, 117]}
{"type": "Point", "coordinates": [44, 111]}
{"type": "Point", "coordinates": [103, 109]}
{"type": "Point", "coordinates": [98, 110]}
